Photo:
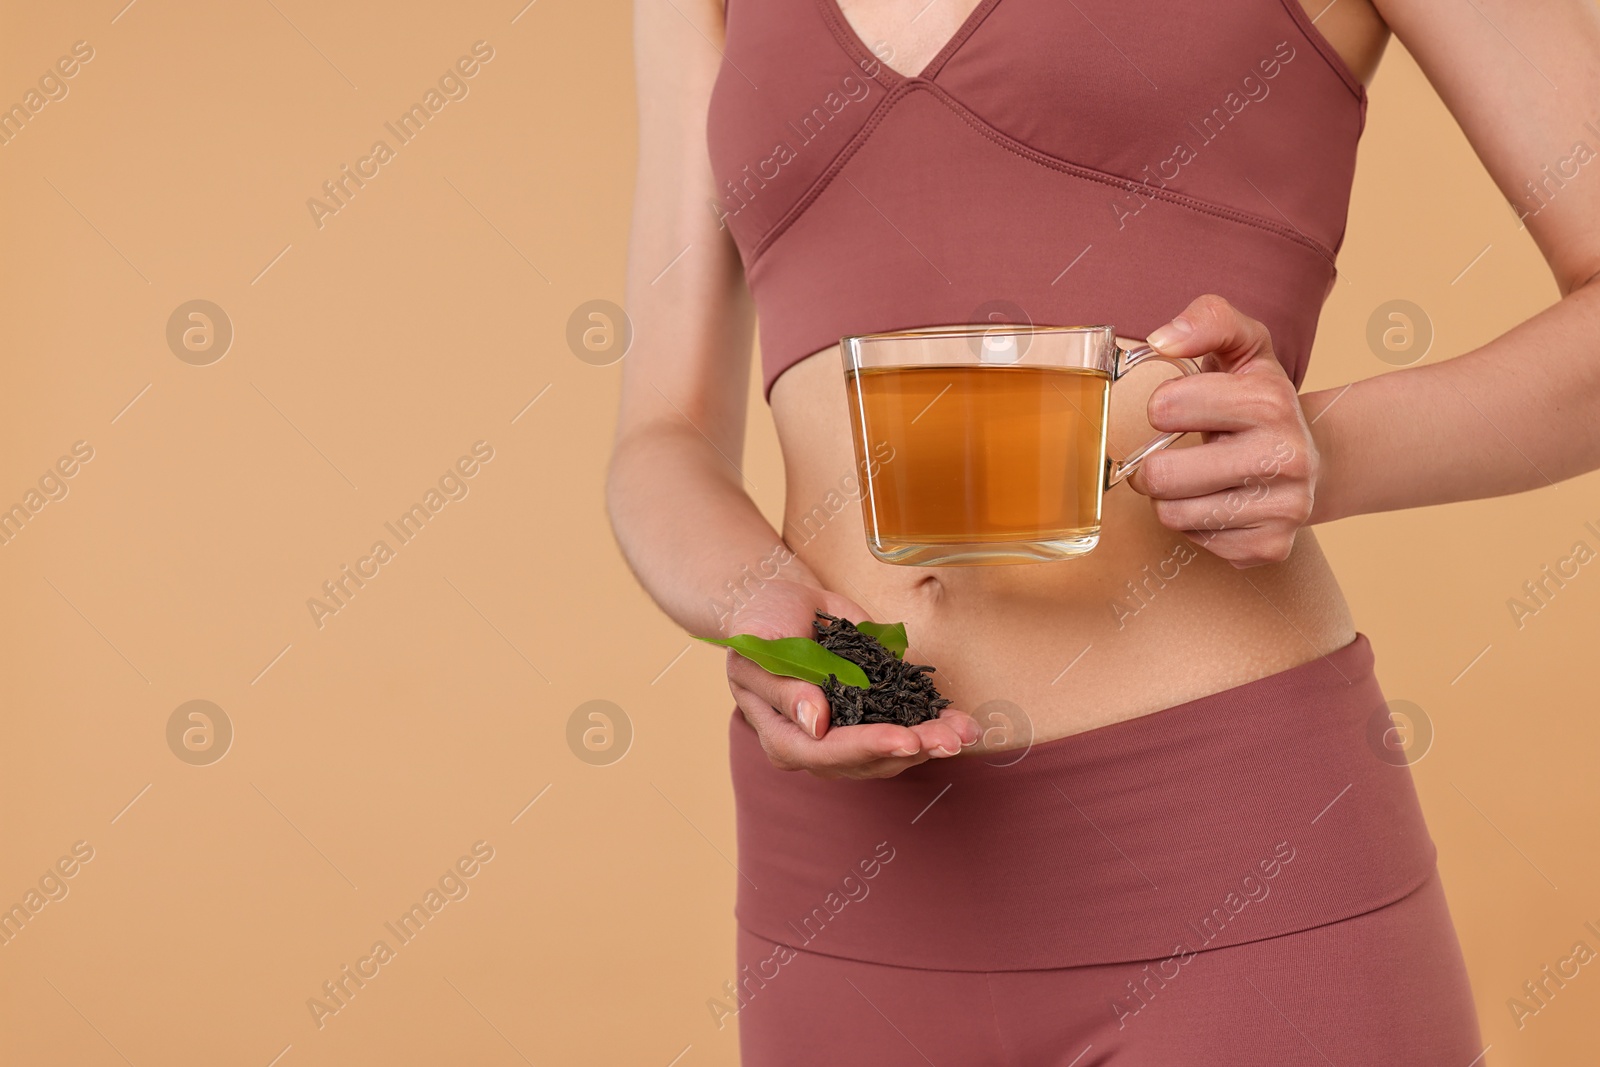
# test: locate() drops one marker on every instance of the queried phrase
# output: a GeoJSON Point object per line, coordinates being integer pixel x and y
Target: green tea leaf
{"type": "Point", "coordinates": [794, 657]}
{"type": "Point", "coordinates": [891, 635]}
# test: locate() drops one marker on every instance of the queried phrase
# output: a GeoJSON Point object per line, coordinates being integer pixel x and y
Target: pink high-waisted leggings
{"type": "Point", "coordinates": [1242, 879]}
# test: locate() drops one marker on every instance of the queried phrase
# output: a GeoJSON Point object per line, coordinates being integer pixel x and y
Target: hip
{"type": "Point", "coordinates": [1251, 813]}
{"type": "Point", "coordinates": [1231, 1005]}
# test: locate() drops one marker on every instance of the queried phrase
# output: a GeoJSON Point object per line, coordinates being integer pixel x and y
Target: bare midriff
{"type": "Point", "coordinates": [1147, 620]}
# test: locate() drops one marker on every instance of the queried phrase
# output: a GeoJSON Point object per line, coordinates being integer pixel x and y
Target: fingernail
{"type": "Point", "coordinates": [904, 751]}
{"type": "Point", "coordinates": [941, 751]}
{"type": "Point", "coordinates": [1171, 333]}
{"type": "Point", "coordinates": [807, 714]}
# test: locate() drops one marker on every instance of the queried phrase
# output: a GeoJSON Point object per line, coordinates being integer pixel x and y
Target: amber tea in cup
{"type": "Point", "coordinates": [997, 439]}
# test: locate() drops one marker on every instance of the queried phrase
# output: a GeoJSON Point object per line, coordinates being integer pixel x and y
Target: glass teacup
{"type": "Point", "coordinates": [987, 444]}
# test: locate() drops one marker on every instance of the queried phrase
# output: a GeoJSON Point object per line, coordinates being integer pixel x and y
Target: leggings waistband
{"type": "Point", "coordinates": [1250, 813]}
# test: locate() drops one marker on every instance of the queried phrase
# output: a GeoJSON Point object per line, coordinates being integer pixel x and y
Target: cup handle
{"type": "Point", "coordinates": [1127, 359]}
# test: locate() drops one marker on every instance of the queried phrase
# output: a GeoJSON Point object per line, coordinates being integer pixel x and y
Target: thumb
{"type": "Point", "coordinates": [1211, 326]}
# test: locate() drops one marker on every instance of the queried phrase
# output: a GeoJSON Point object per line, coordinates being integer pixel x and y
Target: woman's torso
{"type": "Point", "coordinates": [1039, 651]}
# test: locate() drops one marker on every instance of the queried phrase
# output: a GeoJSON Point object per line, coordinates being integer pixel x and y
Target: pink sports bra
{"type": "Point", "coordinates": [1092, 161]}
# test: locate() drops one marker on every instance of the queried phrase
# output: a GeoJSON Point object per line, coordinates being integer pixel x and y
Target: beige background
{"type": "Point", "coordinates": [425, 715]}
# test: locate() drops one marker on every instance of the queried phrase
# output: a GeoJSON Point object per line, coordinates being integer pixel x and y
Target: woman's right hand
{"type": "Point", "coordinates": [790, 716]}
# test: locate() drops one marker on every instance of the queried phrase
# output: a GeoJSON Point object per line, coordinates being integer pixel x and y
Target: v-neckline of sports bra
{"type": "Point", "coordinates": [848, 35]}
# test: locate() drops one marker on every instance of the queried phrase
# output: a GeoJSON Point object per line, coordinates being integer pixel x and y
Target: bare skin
{"type": "Point", "coordinates": [906, 34]}
{"type": "Point", "coordinates": [1254, 599]}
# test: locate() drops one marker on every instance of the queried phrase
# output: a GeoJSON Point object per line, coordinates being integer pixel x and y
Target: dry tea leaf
{"type": "Point", "coordinates": [900, 693]}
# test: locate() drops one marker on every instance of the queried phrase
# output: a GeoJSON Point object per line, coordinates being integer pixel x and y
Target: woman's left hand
{"type": "Point", "coordinates": [1247, 489]}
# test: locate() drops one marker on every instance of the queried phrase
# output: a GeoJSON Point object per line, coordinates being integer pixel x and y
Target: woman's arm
{"type": "Point", "coordinates": [675, 491]}
{"type": "Point", "coordinates": [1522, 411]}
